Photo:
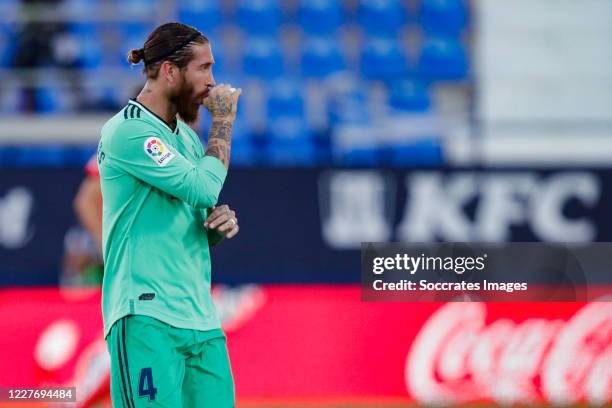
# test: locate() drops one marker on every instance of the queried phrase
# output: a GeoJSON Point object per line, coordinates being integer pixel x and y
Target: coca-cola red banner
{"type": "Point", "coordinates": [321, 343]}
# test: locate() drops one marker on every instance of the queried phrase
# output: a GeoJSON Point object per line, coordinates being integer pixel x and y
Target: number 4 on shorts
{"type": "Point", "coordinates": [145, 384]}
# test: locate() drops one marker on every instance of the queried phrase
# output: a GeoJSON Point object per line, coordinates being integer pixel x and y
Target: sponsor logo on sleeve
{"type": "Point", "coordinates": [157, 151]}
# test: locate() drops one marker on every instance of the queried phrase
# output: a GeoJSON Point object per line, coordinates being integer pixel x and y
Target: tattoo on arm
{"type": "Point", "coordinates": [220, 140]}
{"type": "Point", "coordinates": [223, 106]}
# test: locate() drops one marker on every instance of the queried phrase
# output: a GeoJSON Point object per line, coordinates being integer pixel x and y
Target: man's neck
{"type": "Point", "coordinates": [158, 104]}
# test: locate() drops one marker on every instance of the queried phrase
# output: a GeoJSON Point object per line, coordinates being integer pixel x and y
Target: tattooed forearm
{"type": "Point", "coordinates": [219, 141]}
{"type": "Point", "coordinates": [219, 151]}
{"type": "Point", "coordinates": [213, 151]}
{"type": "Point", "coordinates": [221, 129]}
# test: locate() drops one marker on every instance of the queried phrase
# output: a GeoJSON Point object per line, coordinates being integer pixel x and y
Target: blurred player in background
{"type": "Point", "coordinates": [159, 190]}
{"type": "Point", "coordinates": [82, 262]}
{"type": "Point", "coordinates": [88, 201]}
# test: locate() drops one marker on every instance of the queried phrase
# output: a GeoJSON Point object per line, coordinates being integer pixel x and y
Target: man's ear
{"type": "Point", "coordinates": [169, 70]}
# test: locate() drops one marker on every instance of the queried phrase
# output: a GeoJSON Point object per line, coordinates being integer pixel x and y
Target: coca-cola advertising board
{"type": "Point", "coordinates": [320, 343]}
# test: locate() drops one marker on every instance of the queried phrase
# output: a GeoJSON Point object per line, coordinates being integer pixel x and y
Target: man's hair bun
{"type": "Point", "coordinates": [135, 56]}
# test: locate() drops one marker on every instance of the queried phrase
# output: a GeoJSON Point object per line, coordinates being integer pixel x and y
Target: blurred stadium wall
{"type": "Point", "coordinates": [373, 120]}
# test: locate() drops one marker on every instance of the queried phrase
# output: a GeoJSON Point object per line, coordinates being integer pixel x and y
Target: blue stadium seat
{"type": "Point", "coordinates": [407, 95]}
{"type": "Point", "coordinates": [205, 15]}
{"type": "Point", "coordinates": [52, 98]}
{"type": "Point", "coordinates": [7, 45]}
{"type": "Point", "coordinates": [321, 57]}
{"type": "Point", "coordinates": [443, 59]}
{"type": "Point", "coordinates": [382, 17]}
{"type": "Point", "coordinates": [88, 42]}
{"type": "Point", "coordinates": [243, 151]}
{"type": "Point", "coordinates": [11, 98]}
{"type": "Point", "coordinates": [135, 28]}
{"type": "Point", "coordinates": [128, 87]}
{"type": "Point", "coordinates": [350, 106]}
{"type": "Point", "coordinates": [9, 4]}
{"type": "Point", "coordinates": [79, 8]}
{"type": "Point", "coordinates": [138, 8]}
{"type": "Point", "coordinates": [82, 28]}
{"type": "Point", "coordinates": [262, 58]}
{"type": "Point", "coordinates": [365, 156]}
{"type": "Point", "coordinates": [97, 94]}
{"type": "Point", "coordinates": [298, 154]}
{"type": "Point", "coordinates": [352, 110]}
{"type": "Point", "coordinates": [261, 17]}
{"type": "Point", "coordinates": [443, 16]}
{"type": "Point", "coordinates": [225, 72]}
{"type": "Point", "coordinates": [382, 59]}
{"type": "Point", "coordinates": [90, 54]}
{"type": "Point", "coordinates": [285, 99]}
{"type": "Point", "coordinates": [290, 142]}
{"type": "Point", "coordinates": [425, 152]}
{"type": "Point", "coordinates": [9, 10]}
{"type": "Point", "coordinates": [320, 16]}
{"type": "Point", "coordinates": [130, 40]}
{"type": "Point", "coordinates": [138, 17]}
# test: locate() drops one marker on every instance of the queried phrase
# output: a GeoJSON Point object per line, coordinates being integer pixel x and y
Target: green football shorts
{"type": "Point", "coordinates": [154, 364]}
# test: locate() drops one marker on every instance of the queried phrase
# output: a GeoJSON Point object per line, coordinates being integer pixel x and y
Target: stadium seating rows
{"type": "Point", "coordinates": [290, 51]}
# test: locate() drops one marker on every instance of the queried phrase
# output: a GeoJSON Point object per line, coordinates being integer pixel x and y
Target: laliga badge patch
{"type": "Point", "coordinates": [157, 151]}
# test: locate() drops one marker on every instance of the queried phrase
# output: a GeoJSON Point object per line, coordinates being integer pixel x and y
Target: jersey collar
{"type": "Point", "coordinates": [155, 116]}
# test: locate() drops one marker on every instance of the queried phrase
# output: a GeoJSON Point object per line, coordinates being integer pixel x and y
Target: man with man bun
{"type": "Point", "coordinates": [160, 189]}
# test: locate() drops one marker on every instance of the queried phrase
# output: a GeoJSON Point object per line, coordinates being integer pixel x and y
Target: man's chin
{"type": "Point", "coordinates": [189, 116]}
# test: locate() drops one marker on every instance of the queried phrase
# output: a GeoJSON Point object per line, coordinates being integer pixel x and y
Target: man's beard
{"type": "Point", "coordinates": [186, 105]}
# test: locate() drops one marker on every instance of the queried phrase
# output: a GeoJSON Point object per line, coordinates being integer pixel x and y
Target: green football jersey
{"type": "Point", "coordinates": [156, 186]}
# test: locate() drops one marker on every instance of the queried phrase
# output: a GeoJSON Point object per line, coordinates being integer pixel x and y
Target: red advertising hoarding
{"type": "Point", "coordinates": [321, 342]}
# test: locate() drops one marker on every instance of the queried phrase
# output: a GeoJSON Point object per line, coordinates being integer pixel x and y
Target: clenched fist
{"type": "Point", "coordinates": [222, 102]}
{"type": "Point", "coordinates": [223, 221]}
